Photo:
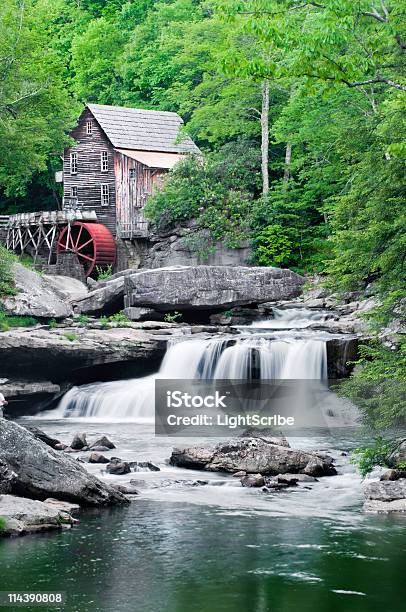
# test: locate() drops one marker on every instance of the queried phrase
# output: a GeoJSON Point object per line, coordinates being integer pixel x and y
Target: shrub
{"type": "Point", "coordinates": [173, 317]}
{"type": "Point", "coordinates": [274, 246]}
{"type": "Point", "coordinates": [368, 457]}
{"type": "Point", "coordinates": [104, 273]}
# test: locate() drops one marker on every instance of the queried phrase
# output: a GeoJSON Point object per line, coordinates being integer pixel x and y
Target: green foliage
{"type": "Point", "coordinates": [104, 273]}
{"type": "Point", "coordinates": [52, 323]}
{"type": "Point", "coordinates": [368, 457]}
{"type": "Point", "coordinates": [35, 109]}
{"type": "Point", "coordinates": [3, 523]}
{"type": "Point", "coordinates": [6, 272]}
{"type": "Point", "coordinates": [273, 246]}
{"type": "Point", "coordinates": [201, 190]}
{"type": "Point", "coordinates": [378, 386]}
{"type": "Point", "coordinates": [173, 317]}
{"type": "Point", "coordinates": [8, 321]}
{"type": "Point", "coordinates": [70, 336]}
{"type": "Point", "coordinates": [82, 319]}
{"type": "Point", "coordinates": [119, 319]}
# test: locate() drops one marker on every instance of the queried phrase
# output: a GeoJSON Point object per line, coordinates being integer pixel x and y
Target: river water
{"type": "Point", "coordinates": [194, 541]}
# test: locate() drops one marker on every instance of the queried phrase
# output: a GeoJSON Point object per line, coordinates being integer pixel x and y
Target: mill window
{"type": "Point", "coordinates": [104, 161]}
{"type": "Point", "coordinates": [89, 127]}
{"type": "Point", "coordinates": [105, 194]}
{"type": "Point", "coordinates": [73, 163]}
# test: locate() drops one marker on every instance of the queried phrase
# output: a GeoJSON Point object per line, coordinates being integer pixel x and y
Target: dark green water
{"type": "Point", "coordinates": [159, 556]}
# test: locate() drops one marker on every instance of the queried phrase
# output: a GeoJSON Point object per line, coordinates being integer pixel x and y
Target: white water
{"type": "Point", "coordinates": [256, 356]}
{"type": "Point", "coordinates": [292, 318]}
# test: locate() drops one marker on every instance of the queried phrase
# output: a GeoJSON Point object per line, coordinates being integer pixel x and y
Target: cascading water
{"type": "Point", "coordinates": [255, 356]}
{"type": "Point", "coordinates": [292, 318]}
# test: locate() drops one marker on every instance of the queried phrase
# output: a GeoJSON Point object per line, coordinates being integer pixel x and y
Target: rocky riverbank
{"type": "Point", "coordinates": [31, 469]}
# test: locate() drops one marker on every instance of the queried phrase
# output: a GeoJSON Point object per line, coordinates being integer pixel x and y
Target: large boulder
{"type": "Point", "coordinates": [385, 496]}
{"type": "Point", "coordinates": [209, 287]}
{"type": "Point", "coordinates": [252, 455]}
{"type": "Point", "coordinates": [105, 299]}
{"type": "Point", "coordinates": [36, 297]}
{"type": "Point", "coordinates": [42, 472]}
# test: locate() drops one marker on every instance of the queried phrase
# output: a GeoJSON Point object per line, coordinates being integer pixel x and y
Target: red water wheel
{"type": "Point", "coordinates": [93, 244]}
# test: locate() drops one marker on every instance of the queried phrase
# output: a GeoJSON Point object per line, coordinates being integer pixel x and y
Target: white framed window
{"type": "Point", "coordinates": [104, 161]}
{"type": "Point", "coordinates": [73, 163]}
{"type": "Point", "coordinates": [74, 192]}
{"type": "Point", "coordinates": [104, 194]}
{"type": "Point", "coordinates": [89, 127]}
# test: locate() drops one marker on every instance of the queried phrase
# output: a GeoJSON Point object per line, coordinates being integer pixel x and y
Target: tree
{"type": "Point", "coordinates": [34, 108]}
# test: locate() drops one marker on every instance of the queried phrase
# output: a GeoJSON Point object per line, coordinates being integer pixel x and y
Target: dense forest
{"type": "Point", "coordinates": [298, 107]}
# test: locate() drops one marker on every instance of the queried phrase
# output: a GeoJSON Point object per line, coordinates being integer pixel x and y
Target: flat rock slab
{"type": "Point", "coordinates": [209, 287]}
{"type": "Point", "coordinates": [253, 456]}
{"type": "Point", "coordinates": [23, 516]}
{"type": "Point", "coordinates": [39, 472]}
{"type": "Point", "coordinates": [36, 350]}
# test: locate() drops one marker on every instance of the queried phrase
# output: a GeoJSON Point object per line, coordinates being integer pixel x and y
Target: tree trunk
{"type": "Point", "coordinates": [288, 159]}
{"type": "Point", "coordinates": [265, 137]}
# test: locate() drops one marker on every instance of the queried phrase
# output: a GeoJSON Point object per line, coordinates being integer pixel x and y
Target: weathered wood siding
{"type": "Point", "coordinates": [132, 191]}
{"type": "Point", "coordinates": [89, 177]}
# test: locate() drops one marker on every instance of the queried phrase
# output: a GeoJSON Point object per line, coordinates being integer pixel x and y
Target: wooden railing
{"type": "Point", "coordinates": [134, 229]}
{"type": "Point", "coordinates": [4, 220]}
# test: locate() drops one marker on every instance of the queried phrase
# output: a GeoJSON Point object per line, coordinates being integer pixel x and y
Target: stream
{"type": "Point", "coordinates": [196, 541]}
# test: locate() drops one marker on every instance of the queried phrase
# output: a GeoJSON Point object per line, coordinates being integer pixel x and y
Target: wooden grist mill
{"type": "Point", "coordinates": [45, 235]}
{"type": "Point", "coordinates": [118, 158]}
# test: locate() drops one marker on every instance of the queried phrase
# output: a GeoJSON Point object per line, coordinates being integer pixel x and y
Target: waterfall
{"type": "Point", "coordinates": [292, 318]}
{"type": "Point", "coordinates": [252, 357]}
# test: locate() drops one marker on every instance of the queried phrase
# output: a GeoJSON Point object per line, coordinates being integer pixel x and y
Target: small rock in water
{"type": "Point", "coordinates": [144, 466]}
{"type": "Point", "coordinates": [294, 478]}
{"type": "Point", "coordinates": [103, 441]}
{"type": "Point", "coordinates": [79, 441]}
{"type": "Point", "coordinates": [118, 468]}
{"type": "Point", "coordinates": [98, 458]}
{"type": "Point", "coordinates": [99, 449]}
{"type": "Point", "coordinates": [239, 474]}
{"type": "Point", "coordinates": [60, 446]}
{"type": "Point", "coordinates": [320, 467]}
{"type": "Point", "coordinates": [253, 480]}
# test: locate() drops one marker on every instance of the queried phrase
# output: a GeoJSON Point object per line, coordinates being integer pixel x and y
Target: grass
{"type": "Point", "coordinates": [83, 319]}
{"type": "Point", "coordinates": [120, 319]}
{"type": "Point", "coordinates": [6, 321]}
{"type": "Point", "coordinates": [3, 523]}
{"type": "Point", "coordinates": [71, 336]}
